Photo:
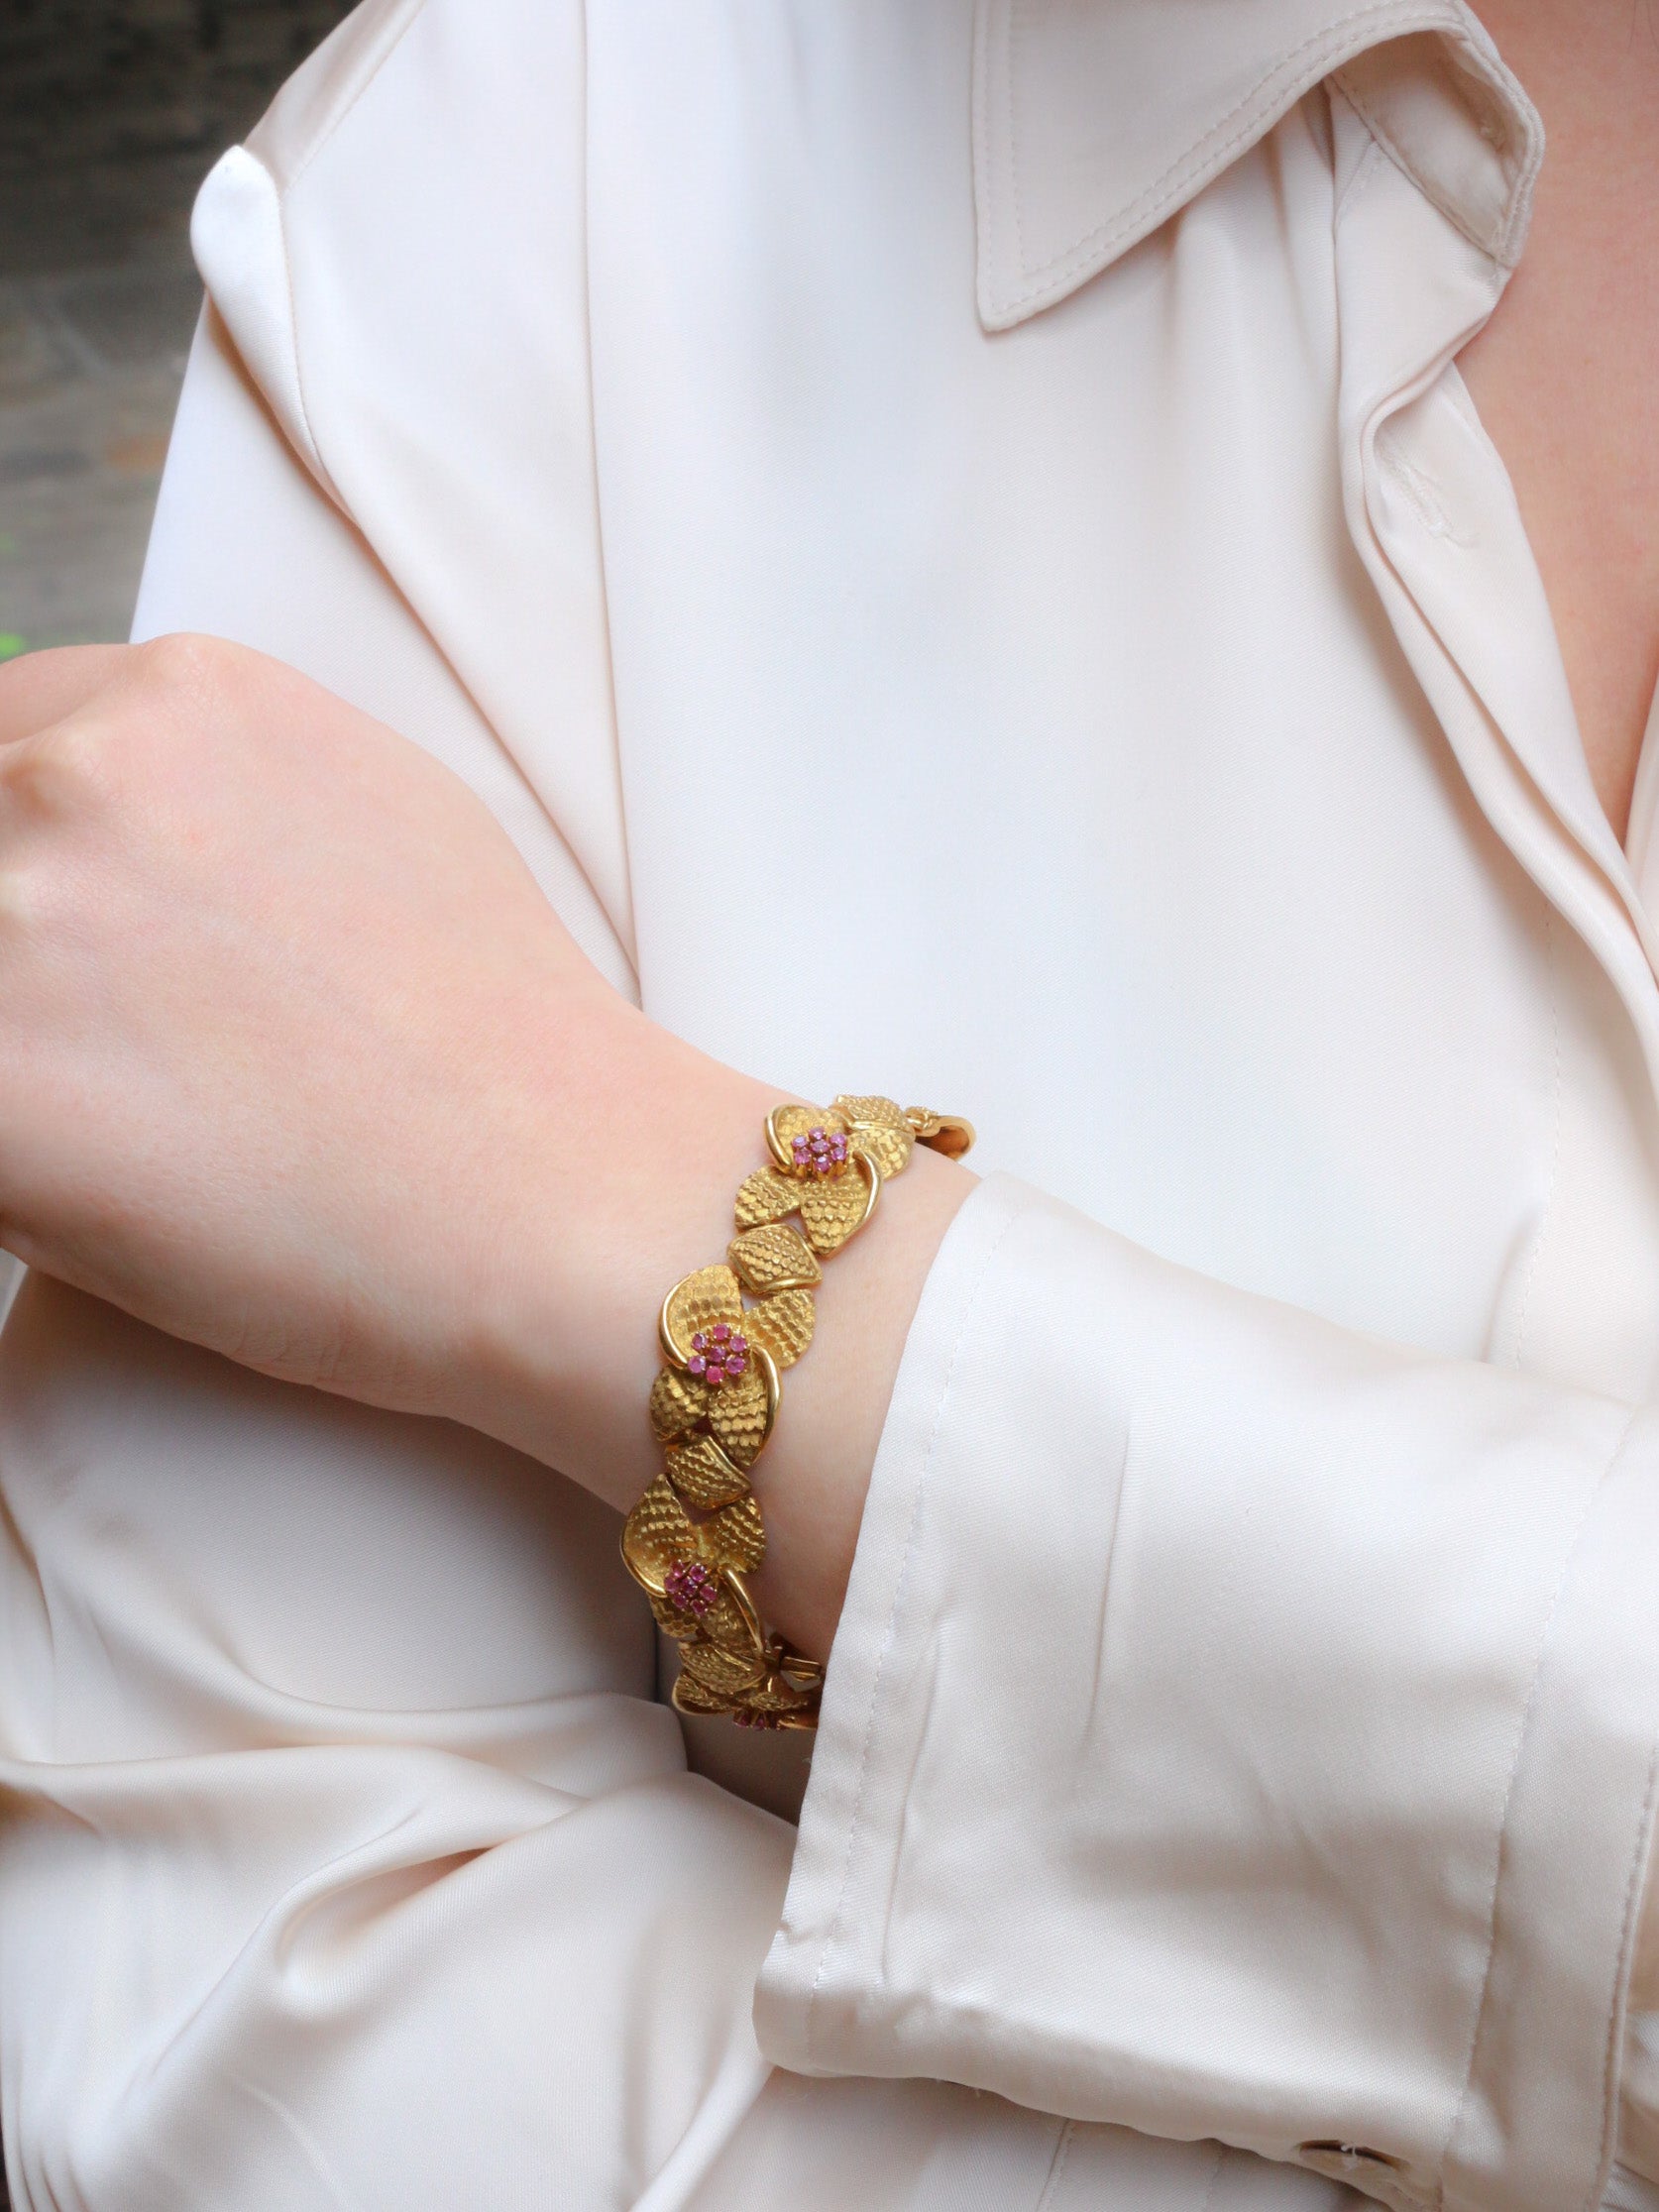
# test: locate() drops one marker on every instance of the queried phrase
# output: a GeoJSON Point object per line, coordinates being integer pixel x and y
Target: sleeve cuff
{"type": "Point", "coordinates": [1236, 1729]}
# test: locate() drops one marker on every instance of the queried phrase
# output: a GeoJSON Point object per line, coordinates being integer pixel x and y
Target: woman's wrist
{"type": "Point", "coordinates": [636, 1194]}
{"type": "Point", "coordinates": [619, 1192]}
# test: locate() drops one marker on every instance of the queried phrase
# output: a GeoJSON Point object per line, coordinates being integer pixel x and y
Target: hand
{"type": "Point", "coordinates": [287, 1031]}
{"type": "Point", "coordinates": [297, 1063]}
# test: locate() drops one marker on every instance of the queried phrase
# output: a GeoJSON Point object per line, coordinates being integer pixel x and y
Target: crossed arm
{"type": "Point", "coordinates": [299, 1064]}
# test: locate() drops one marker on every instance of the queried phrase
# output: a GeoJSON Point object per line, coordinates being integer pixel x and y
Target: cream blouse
{"type": "Point", "coordinates": [956, 546]}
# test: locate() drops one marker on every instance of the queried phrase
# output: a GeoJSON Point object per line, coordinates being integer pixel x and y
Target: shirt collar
{"type": "Point", "coordinates": [1094, 121]}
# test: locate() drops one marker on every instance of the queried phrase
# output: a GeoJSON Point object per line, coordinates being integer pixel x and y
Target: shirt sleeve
{"type": "Point", "coordinates": [1237, 1727]}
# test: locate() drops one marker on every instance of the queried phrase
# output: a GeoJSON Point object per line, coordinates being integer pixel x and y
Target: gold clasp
{"type": "Point", "coordinates": [949, 1134]}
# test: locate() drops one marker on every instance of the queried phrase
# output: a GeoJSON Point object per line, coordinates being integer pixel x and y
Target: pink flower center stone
{"type": "Point", "coordinates": [821, 1152]}
{"type": "Point", "coordinates": [719, 1355]}
{"type": "Point", "coordinates": [690, 1587]}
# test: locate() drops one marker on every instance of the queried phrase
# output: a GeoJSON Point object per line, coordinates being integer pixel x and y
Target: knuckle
{"type": "Point", "coordinates": [60, 772]}
{"type": "Point", "coordinates": [185, 663]}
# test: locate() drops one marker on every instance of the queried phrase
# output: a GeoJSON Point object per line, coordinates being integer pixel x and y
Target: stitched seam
{"type": "Point", "coordinates": [1384, 139]}
{"type": "Point", "coordinates": [1168, 187]}
{"type": "Point", "coordinates": [889, 1633]}
{"type": "Point", "coordinates": [1013, 136]}
{"type": "Point", "coordinates": [980, 119]}
{"type": "Point", "coordinates": [1621, 1990]}
{"type": "Point", "coordinates": [1521, 1735]}
{"type": "Point", "coordinates": [281, 192]}
{"type": "Point", "coordinates": [1057, 2171]}
{"type": "Point", "coordinates": [1520, 197]}
{"type": "Point", "coordinates": [1360, 182]}
{"type": "Point", "coordinates": [1394, 391]}
{"type": "Point", "coordinates": [1525, 1317]}
{"type": "Point", "coordinates": [325, 135]}
{"type": "Point", "coordinates": [293, 342]}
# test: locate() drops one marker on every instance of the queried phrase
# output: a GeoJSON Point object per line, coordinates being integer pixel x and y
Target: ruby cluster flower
{"type": "Point", "coordinates": [719, 1355]}
{"type": "Point", "coordinates": [690, 1587]}
{"type": "Point", "coordinates": [819, 1151]}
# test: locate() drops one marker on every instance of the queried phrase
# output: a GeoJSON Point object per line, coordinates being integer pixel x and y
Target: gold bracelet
{"type": "Point", "coordinates": [697, 1532]}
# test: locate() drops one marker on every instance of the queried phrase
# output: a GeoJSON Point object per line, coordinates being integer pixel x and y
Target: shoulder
{"type": "Point", "coordinates": [429, 81]}
{"type": "Point", "coordinates": [326, 88]}
{"type": "Point", "coordinates": [372, 236]}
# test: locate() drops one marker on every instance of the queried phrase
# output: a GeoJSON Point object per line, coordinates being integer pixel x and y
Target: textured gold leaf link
{"type": "Point", "coordinates": [782, 1324]}
{"type": "Point", "coordinates": [858, 1111]}
{"type": "Point", "coordinates": [833, 1211]}
{"type": "Point", "coordinates": [880, 1128]}
{"type": "Point", "coordinates": [677, 1402]}
{"type": "Point", "coordinates": [690, 1695]}
{"type": "Point", "coordinates": [741, 1415]}
{"type": "Point", "coordinates": [766, 1196]}
{"type": "Point", "coordinates": [734, 1537]}
{"type": "Point", "coordinates": [774, 1258]}
{"type": "Point", "coordinates": [655, 1534]}
{"type": "Point", "coordinates": [702, 1475]}
{"type": "Point", "coordinates": [724, 1624]}
{"type": "Point", "coordinates": [722, 1670]}
{"type": "Point", "coordinates": [696, 1302]}
{"type": "Point", "coordinates": [670, 1621]}
{"type": "Point", "coordinates": [735, 1587]}
{"type": "Point", "coordinates": [890, 1148]}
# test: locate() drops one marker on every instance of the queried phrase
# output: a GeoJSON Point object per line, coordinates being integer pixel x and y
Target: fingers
{"type": "Point", "coordinates": [39, 689]}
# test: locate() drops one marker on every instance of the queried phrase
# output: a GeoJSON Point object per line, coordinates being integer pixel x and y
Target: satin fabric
{"type": "Point", "coordinates": [992, 500]}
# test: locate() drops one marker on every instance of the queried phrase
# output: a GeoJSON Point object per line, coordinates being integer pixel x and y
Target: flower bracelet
{"type": "Point", "coordinates": [697, 1532]}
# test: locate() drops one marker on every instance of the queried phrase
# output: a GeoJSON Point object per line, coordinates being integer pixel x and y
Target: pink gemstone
{"type": "Point", "coordinates": [689, 1585]}
{"type": "Point", "coordinates": [739, 1343]}
{"type": "Point", "coordinates": [722, 1332]}
{"type": "Point", "coordinates": [717, 1373]}
{"type": "Point", "coordinates": [737, 1362]}
{"type": "Point", "coordinates": [696, 1363]}
{"type": "Point", "coordinates": [700, 1343]}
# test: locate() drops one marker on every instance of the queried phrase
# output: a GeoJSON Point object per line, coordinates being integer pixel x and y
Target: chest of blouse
{"type": "Point", "coordinates": [1117, 690]}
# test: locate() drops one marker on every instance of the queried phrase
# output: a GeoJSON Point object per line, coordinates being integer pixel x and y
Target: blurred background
{"type": "Point", "coordinates": [111, 113]}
